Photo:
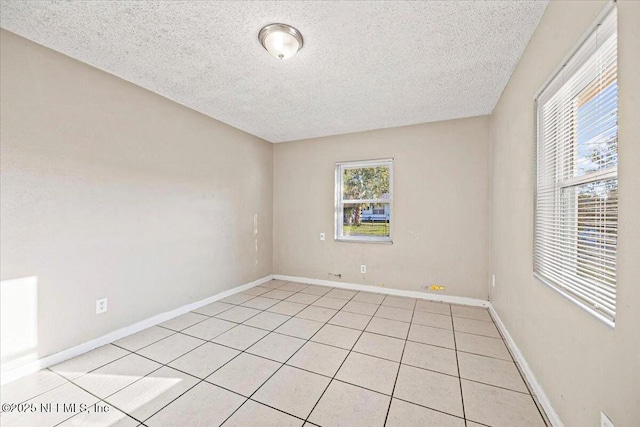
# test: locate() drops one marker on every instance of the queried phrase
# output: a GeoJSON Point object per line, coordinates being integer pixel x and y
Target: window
{"type": "Point", "coordinates": [364, 200]}
{"type": "Point", "coordinates": [576, 195]}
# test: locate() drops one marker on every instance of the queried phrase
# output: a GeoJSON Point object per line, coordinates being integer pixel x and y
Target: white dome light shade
{"type": "Point", "coordinates": [281, 45]}
{"type": "Point", "coordinates": [280, 40]}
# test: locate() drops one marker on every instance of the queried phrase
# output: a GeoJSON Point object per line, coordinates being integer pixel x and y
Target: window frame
{"type": "Point", "coordinates": [340, 202]}
{"type": "Point", "coordinates": [564, 183]}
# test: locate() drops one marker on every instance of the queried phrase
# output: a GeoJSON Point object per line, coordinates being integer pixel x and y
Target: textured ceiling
{"type": "Point", "coordinates": [365, 65]}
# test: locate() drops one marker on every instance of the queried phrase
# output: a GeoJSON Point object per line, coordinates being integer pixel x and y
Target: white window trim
{"type": "Point", "coordinates": [603, 14]}
{"type": "Point", "coordinates": [576, 180]}
{"type": "Point", "coordinates": [339, 203]}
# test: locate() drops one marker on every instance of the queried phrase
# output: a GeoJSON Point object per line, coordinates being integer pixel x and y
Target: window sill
{"type": "Point", "coordinates": [575, 301]}
{"type": "Point", "coordinates": [379, 242]}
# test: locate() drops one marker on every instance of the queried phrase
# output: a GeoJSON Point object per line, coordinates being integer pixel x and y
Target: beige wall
{"type": "Point", "coordinates": [109, 190]}
{"type": "Point", "coordinates": [583, 365]}
{"type": "Point", "coordinates": [441, 208]}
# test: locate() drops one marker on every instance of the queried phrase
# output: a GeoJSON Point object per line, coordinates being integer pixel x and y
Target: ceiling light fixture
{"type": "Point", "coordinates": [280, 40]}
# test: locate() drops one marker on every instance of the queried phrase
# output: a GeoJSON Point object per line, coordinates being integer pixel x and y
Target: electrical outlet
{"type": "Point", "coordinates": [493, 280]}
{"type": "Point", "coordinates": [605, 421]}
{"type": "Point", "coordinates": [321, 236]}
{"type": "Point", "coordinates": [363, 269]}
{"type": "Point", "coordinates": [101, 306]}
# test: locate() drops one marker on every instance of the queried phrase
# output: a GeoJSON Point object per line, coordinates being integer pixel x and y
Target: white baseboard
{"type": "Point", "coordinates": [382, 290]}
{"type": "Point", "coordinates": [537, 389]}
{"type": "Point", "coordinates": [69, 353]}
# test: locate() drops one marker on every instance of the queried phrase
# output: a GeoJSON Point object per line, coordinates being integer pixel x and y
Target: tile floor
{"type": "Point", "coordinates": [291, 354]}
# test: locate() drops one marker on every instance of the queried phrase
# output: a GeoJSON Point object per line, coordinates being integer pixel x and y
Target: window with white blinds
{"type": "Point", "coordinates": [576, 194]}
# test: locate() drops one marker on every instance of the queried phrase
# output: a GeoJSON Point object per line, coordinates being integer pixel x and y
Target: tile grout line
{"type": "Point", "coordinates": [235, 305]}
{"type": "Point", "coordinates": [155, 361]}
{"type": "Point", "coordinates": [289, 358]}
{"type": "Point", "coordinates": [389, 336]}
{"type": "Point", "coordinates": [371, 332]}
{"type": "Point", "coordinates": [395, 382]}
{"type": "Point", "coordinates": [259, 311]}
{"type": "Point", "coordinates": [455, 344]}
{"type": "Point", "coordinates": [541, 411]}
{"type": "Point", "coordinates": [330, 308]}
{"type": "Point", "coordinates": [163, 365]}
{"type": "Point", "coordinates": [46, 391]}
{"type": "Point", "coordinates": [370, 355]}
{"type": "Point", "coordinates": [316, 373]}
{"type": "Point", "coordinates": [139, 379]}
{"type": "Point", "coordinates": [204, 380]}
{"type": "Point", "coordinates": [281, 363]}
{"type": "Point", "coordinates": [429, 408]}
{"type": "Point", "coordinates": [309, 340]}
{"type": "Point", "coordinates": [82, 388]}
{"type": "Point", "coordinates": [99, 400]}
{"type": "Point", "coordinates": [166, 365]}
{"type": "Point", "coordinates": [347, 356]}
{"type": "Point", "coordinates": [227, 362]}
